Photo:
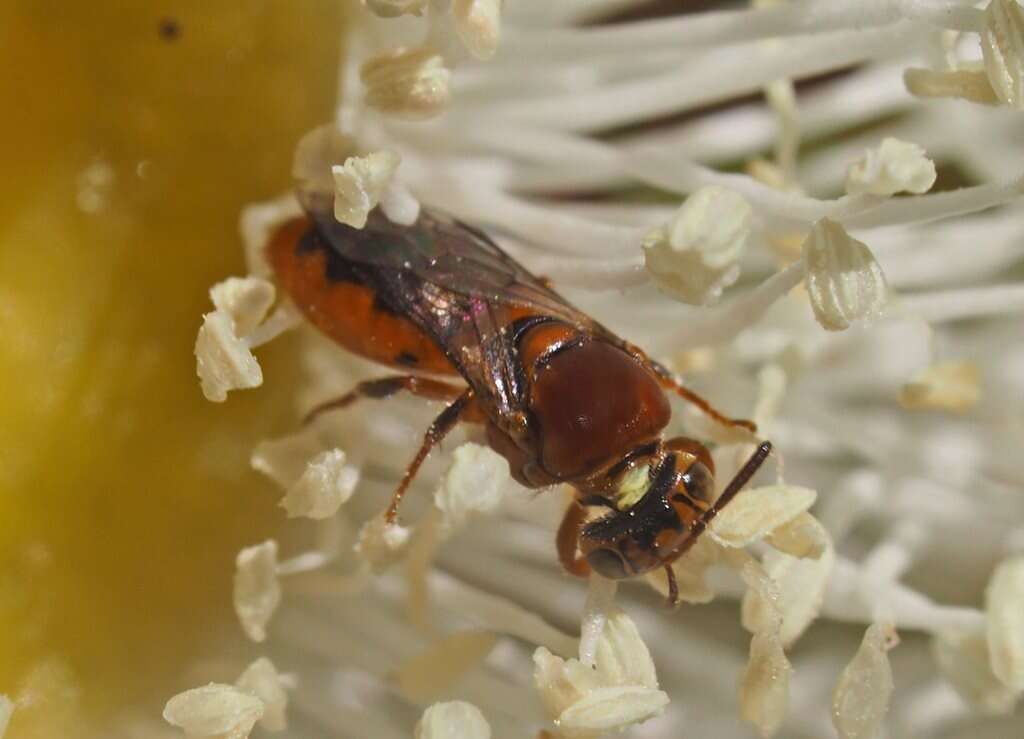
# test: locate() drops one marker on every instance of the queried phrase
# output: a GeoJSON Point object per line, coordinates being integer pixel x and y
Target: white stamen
{"type": "Point", "coordinates": [801, 537]}
{"type": "Point", "coordinates": [894, 166]}
{"type": "Point", "coordinates": [967, 84]}
{"type": "Point", "coordinates": [223, 359]}
{"type": "Point", "coordinates": [600, 600]}
{"type": "Point", "coordinates": [214, 711]}
{"type": "Point", "coordinates": [503, 615]}
{"type": "Point", "coordinates": [1002, 46]}
{"type": "Point", "coordinates": [257, 592]}
{"type": "Point", "coordinates": [771, 390]}
{"type": "Point", "coordinates": [799, 592]}
{"type": "Point", "coordinates": [284, 318]}
{"type": "Point", "coordinates": [963, 658]}
{"type": "Point", "coordinates": [245, 300]}
{"type": "Point", "coordinates": [476, 482]}
{"type": "Point", "coordinates": [407, 83]}
{"type": "Point", "coordinates": [781, 96]}
{"type": "Point", "coordinates": [434, 671]}
{"type": "Point", "coordinates": [622, 657]}
{"type": "Point", "coordinates": [739, 70]}
{"type": "Point", "coordinates": [400, 205]}
{"type": "Point", "coordinates": [395, 8]}
{"type": "Point", "coordinates": [727, 27]}
{"type": "Point", "coordinates": [317, 153]}
{"type": "Point", "coordinates": [284, 460]}
{"type": "Point", "coordinates": [6, 709]}
{"type": "Point", "coordinates": [381, 544]}
{"type": "Point", "coordinates": [755, 512]}
{"type": "Point", "coordinates": [326, 484]}
{"type": "Point", "coordinates": [611, 708]}
{"type": "Point", "coordinates": [453, 720]}
{"type": "Point", "coordinates": [478, 24]}
{"type": "Point", "coordinates": [951, 386]}
{"type": "Point", "coordinates": [621, 689]}
{"type": "Point", "coordinates": [864, 690]}
{"type": "Point", "coordinates": [360, 183]}
{"type": "Point", "coordinates": [843, 279]}
{"type": "Point", "coordinates": [257, 225]}
{"type": "Point", "coordinates": [952, 305]}
{"type": "Point", "coordinates": [1004, 613]}
{"type": "Point", "coordinates": [263, 681]}
{"type": "Point", "coordinates": [764, 687]}
{"type": "Point", "coordinates": [694, 256]}
{"type": "Point", "coordinates": [720, 325]}
{"type": "Point", "coordinates": [418, 564]}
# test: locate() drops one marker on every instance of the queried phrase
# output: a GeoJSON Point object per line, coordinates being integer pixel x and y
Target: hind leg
{"type": "Point", "coordinates": [461, 408]}
{"type": "Point", "coordinates": [385, 387]}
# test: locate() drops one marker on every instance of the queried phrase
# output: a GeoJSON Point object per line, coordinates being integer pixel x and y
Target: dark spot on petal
{"type": "Point", "coordinates": [169, 29]}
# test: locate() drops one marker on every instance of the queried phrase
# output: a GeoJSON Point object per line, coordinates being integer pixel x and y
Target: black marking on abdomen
{"type": "Point", "coordinates": [407, 359]}
{"type": "Point", "coordinates": [340, 269]}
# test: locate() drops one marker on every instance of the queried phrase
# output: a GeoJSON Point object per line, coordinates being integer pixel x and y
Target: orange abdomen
{"type": "Point", "coordinates": [347, 309]}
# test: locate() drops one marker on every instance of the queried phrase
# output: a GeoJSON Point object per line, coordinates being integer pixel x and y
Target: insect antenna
{"type": "Point", "coordinates": [735, 485]}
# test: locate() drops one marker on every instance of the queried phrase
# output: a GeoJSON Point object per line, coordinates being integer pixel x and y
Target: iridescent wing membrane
{"type": "Point", "coordinates": [455, 283]}
{"type": "Point", "coordinates": [442, 251]}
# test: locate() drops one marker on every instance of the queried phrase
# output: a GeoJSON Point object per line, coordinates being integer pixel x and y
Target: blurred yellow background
{"type": "Point", "coordinates": [133, 134]}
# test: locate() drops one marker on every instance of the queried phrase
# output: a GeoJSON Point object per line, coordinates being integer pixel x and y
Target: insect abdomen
{"type": "Point", "coordinates": [336, 296]}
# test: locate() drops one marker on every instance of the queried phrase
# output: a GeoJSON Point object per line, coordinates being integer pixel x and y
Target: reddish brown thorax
{"type": "Point", "coordinates": [589, 402]}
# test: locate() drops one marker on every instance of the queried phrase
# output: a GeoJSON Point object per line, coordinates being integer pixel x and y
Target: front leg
{"type": "Point", "coordinates": [568, 539]}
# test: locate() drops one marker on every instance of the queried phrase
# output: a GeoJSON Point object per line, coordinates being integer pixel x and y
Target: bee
{"type": "Point", "coordinates": [559, 396]}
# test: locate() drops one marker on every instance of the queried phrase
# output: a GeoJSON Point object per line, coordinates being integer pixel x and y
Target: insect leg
{"type": "Point", "coordinates": [673, 586]}
{"type": "Point", "coordinates": [444, 423]}
{"type": "Point", "coordinates": [384, 387]}
{"type": "Point", "coordinates": [670, 382]}
{"type": "Point", "coordinates": [568, 538]}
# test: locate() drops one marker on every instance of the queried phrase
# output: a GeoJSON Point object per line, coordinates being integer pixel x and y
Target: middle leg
{"type": "Point", "coordinates": [568, 538]}
{"type": "Point", "coordinates": [444, 423]}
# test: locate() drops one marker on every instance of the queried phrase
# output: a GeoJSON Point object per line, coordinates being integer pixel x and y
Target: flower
{"type": "Point", "coordinates": [913, 508]}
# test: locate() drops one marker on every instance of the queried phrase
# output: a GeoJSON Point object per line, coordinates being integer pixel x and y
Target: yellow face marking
{"type": "Point", "coordinates": [633, 486]}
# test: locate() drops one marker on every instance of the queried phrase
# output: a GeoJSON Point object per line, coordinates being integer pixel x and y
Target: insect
{"type": "Point", "coordinates": [561, 397]}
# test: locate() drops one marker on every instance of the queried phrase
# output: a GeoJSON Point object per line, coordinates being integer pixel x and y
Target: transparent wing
{"type": "Point", "coordinates": [455, 283]}
{"type": "Point", "coordinates": [442, 251]}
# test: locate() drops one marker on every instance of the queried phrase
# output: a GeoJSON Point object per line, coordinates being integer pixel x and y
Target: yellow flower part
{"type": "Point", "coordinates": [132, 136]}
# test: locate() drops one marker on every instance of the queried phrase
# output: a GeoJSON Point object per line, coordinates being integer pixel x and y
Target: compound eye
{"type": "Point", "coordinates": [607, 563]}
{"type": "Point", "coordinates": [699, 482]}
